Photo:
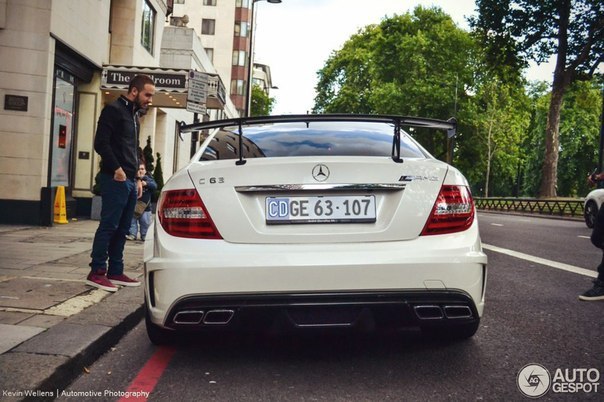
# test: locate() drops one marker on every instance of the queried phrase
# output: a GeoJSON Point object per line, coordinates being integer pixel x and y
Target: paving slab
{"type": "Point", "coordinates": [14, 317]}
{"type": "Point", "coordinates": [113, 310]}
{"type": "Point", "coordinates": [42, 320]}
{"type": "Point", "coordinates": [63, 339]}
{"type": "Point", "coordinates": [59, 325]}
{"type": "Point", "coordinates": [13, 335]}
{"type": "Point", "coordinates": [39, 294]}
{"type": "Point", "coordinates": [26, 371]}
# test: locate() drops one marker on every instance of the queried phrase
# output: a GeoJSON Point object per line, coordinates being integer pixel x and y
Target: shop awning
{"type": "Point", "coordinates": [171, 85]}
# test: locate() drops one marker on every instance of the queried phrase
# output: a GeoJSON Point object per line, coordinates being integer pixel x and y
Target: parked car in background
{"type": "Point", "coordinates": [315, 221]}
{"type": "Point", "coordinates": [592, 204]}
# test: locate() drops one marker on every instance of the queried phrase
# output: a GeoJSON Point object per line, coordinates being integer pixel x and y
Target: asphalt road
{"type": "Point", "coordinates": [532, 317]}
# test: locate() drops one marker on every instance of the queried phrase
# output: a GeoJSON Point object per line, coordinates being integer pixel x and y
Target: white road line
{"type": "Point", "coordinates": [542, 261]}
{"type": "Point", "coordinates": [584, 237]}
{"type": "Point", "coordinates": [496, 224]}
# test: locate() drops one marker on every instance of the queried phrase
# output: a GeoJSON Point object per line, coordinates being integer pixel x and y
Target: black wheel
{"type": "Point", "coordinates": [590, 213]}
{"type": "Point", "coordinates": [157, 335]}
{"type": "Point", "coordinates": [451, 332]}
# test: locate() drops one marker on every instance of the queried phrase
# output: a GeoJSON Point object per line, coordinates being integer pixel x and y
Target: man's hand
{"type": "Point", "coordinates": [119, 175]}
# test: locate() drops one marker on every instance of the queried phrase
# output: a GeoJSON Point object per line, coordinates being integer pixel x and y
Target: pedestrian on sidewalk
{"type": "Point", "coordinates": [116, 141]}
{"type": "Point", "coordinates": [142, 220]}
{"type": "Point", "coordinates": [597, 239]}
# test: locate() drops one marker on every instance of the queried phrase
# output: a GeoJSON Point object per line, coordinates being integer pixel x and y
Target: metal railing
{"type": "Point", "coordinates": [555, 207]}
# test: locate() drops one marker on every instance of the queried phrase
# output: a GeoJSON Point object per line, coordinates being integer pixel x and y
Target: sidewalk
{"type": "Point", "coordinates": [52, 325]}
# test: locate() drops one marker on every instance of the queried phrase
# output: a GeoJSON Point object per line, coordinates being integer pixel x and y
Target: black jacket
{"type": "Point", "coordinates": [148, 190]}
{"type": "Point", "coordinates": [116, 139]}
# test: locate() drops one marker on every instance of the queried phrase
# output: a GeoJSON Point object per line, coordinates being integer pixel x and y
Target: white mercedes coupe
{"type": "Point", "coordinates": [314, 221]}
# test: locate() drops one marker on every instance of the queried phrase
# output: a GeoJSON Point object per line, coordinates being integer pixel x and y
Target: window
{"type": "Point", "coordinates": [208, 26]}
{"type": "Point", "coordinates": [312, 139]}
{"type": "Point", "coordinates": [241, 29]}
{"type": "Point", "coordinates": [242, 3]}
{"type": "Point", "coordinates": [209, 2]}
{"type": "Point", "coordinates": [237, 87]}
{"type": "Point", "coordinates": [210, 53]}
{"type": "Point", "coordinates": [239, 57]}
{"type": "Point", "coordinates": [148, 26]}
{"type": "Point", "coordinates": [179, 1]}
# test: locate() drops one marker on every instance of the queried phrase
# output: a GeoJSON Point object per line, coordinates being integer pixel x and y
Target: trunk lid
{"type": "Point", "coordinates": [318, 200]}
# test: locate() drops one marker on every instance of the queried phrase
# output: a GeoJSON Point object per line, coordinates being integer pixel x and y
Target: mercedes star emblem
{"type": "Point", "coordinates": [320, 172]}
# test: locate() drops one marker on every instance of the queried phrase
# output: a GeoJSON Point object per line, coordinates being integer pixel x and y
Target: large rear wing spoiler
{"type": "Point", "coordinates": [397, 121]}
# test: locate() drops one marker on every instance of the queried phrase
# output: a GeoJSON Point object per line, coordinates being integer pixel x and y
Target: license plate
{"type": "Point", "coordinates": [323, 209]}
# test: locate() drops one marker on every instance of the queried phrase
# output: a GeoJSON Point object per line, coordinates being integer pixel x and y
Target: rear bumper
{"type": "Point", "coordinates": [364, 310]}
{"type": "Point", "coordinates": [382, 278]}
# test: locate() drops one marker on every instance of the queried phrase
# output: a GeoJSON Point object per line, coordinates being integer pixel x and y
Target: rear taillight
{"type": "Point", "coordinates": [182, 213]}
{"type": "Point", "coordinates": [453, 211]}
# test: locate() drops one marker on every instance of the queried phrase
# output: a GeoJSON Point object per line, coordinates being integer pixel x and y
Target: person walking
{"type": "Point", "coordinates": [143, 220]}
{"type": "Point", "coordinates": [116, 141]}
{"type": "Point", "coordinates": [597, 239]}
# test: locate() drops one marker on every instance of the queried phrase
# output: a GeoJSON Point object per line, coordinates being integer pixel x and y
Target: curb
{"type": "Point", "coordinates": [61, 354]}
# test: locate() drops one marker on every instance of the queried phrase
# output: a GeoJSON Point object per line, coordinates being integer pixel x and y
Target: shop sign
{"type": "Point", "coordinates": [169, 80]}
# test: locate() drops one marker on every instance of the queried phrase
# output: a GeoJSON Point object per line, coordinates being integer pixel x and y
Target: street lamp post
{"type": "Point", "coordinates": [250, 68]}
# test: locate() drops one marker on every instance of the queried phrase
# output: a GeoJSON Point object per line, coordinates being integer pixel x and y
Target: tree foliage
{"type": "Point", "coordinates": [498, 115]}
{"type": "Point", "coordinates": [148, 156]}
{"type": "Point", "coordinates": [421, 64]}
{"type": "Point", "coordinates": [412, 64]}
{"type": "Point", "coordinates": [517, 31]}
{"type": "Point", "coordinates": [262, 104]}
{"type": "Point", "coordinates": [579, 138]}
{"type": "Point", "coordinates": [158, 176]}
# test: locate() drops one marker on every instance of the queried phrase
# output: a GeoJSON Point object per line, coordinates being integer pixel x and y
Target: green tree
{"type": "Point", "coordinates": [262, 104]}
{"type": "Point", "coordinates": [148, 155]}
{"type": "Point", "coordinates": [517, 31]}
{"type": "Point", "coordinates": [579, 138]}
{"type": "Point", "coordinates": [158, 176]}
{"type": "Point", "coordinates": [533, 144]}
{"type": "Point", "coordinates": [413, 64]}
{"type": "Point", "coordinates": [498, 114]}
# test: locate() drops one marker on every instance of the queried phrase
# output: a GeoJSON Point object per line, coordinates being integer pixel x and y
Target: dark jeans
{"type": "Point", "coordinates": [119, 199]}
{"type": "Point", "coordinates": [597, 238]}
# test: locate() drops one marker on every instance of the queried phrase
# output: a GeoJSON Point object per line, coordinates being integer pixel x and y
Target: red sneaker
{"type": "Point", "coordinates": [100, 281]}
{"type": "Point", "coordinates": [123, 280]}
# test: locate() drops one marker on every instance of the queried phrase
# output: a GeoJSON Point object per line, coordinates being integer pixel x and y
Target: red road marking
{"type": "Point", "coordinates": [150, 374]}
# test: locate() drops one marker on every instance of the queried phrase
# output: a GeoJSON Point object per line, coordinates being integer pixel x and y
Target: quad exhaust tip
{"type": "Point", "coordinates": [197, 317]}
{"type": "Point", "coordinates": [458, 312]}
{"type": "Point", "coordinates": [218, 317]}
{"type": "Point", "coordinates": [188, 317]}
{"type": "Point", "coordinates": [435, 312]}
{"type": "Point", "coordinates": [429, 312]}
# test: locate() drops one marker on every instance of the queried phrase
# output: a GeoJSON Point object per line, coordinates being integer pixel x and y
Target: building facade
{"type": "Point", "coordinates": [225, 30]}
{"type": "Point", "coordinates": [61, 61]}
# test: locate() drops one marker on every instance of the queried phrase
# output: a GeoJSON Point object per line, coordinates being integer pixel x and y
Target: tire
{"type": "Point", "coordinates": [590, 214]}
{"type": "Point", "coordinates": [451, 332]}
{"type": "Point", "coordinates": [157, 335]}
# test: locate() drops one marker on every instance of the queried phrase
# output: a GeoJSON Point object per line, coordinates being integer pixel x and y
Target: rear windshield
{"type": "Point", "coordinates": [318, 139]}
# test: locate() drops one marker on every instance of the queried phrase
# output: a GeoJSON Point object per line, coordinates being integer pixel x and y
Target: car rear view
{"type": "Point", "coordinates": [314, 221]}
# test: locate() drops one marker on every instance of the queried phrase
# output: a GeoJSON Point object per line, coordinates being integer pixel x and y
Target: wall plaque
{"type": "Point", "coordinates": [15, 102]}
